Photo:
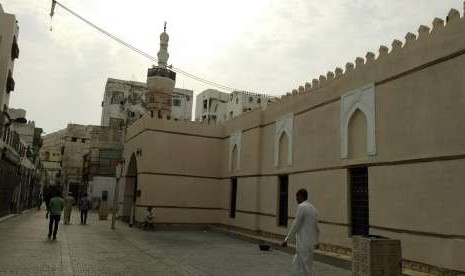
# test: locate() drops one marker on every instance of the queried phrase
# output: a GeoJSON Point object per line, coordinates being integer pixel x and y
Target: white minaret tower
{"type": "Point", "coordinates": [163, 52]}
{"type": "Point", "coordinates": [160, 82]}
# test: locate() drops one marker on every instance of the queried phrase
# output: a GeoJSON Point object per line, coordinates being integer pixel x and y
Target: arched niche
{"type": "Point", "coordinates": [283, 149]}
{"type": "Point", "coordinates": [357, 135]}
{"type": "Point", "coordinates": [284, 126]}
{"type": "Point", "coordinates": [360, 100]}
{"type": "Point", "coordinates": [235, 145]}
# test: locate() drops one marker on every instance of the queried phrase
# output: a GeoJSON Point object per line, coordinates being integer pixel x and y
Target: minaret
{"type": "Point", "coordinates": [163, 52]}
{"type": "Point", "coordinates": [160, 82]}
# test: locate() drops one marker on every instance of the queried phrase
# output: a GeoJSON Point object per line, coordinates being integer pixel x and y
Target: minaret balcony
{"type": "Point", "coordinates": [161, 72]}
{"type": "Point", "coordinates": [14, 50]}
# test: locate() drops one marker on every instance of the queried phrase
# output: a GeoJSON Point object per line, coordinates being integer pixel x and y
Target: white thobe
{"type": "Point", "coordinates": [305, 229]}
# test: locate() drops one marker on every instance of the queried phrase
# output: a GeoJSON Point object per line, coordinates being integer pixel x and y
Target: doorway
{"type": "Point", "coordinates": [130, 194]}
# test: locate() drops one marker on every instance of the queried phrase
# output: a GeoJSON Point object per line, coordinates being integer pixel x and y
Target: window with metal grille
{"type": "Point", "coordinates": [359, 201]}
{"type": "Point", "coordinates": [176, 102]}
{"type": "Point", "coordinates": [232, 206]}
{"type": "Point", "coordinates": [283, 202]}
{"type": "Point", "coordinates": [116, 97]}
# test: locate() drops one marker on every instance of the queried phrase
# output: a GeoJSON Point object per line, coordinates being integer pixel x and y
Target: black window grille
{"type": "Point", "coordinates": [359, 201]}
{"type": "Point", "coordinates": [232, 207]}
{"type": "Point", "coordinates": [283, 202]}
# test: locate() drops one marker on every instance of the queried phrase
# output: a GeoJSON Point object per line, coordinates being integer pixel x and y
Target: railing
{"type": "Point", "coordinates": [14, 50]}
{"type": "Point", "coordinates": [161, 72]}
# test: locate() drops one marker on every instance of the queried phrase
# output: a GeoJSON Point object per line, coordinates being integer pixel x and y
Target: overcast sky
{"type": "Point", "coordinates": [270, 46]}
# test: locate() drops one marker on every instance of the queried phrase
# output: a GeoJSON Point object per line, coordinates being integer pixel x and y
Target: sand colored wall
{"type": "Point", "coordinates": [415, 173]}
{"type": "Point", "coordinates": [426, 199]}
{"type": "Point", "coordinates": [164, 147]}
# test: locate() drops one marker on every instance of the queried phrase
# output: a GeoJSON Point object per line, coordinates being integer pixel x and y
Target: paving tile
{"type": "Point", "coordinates": [95, 249]}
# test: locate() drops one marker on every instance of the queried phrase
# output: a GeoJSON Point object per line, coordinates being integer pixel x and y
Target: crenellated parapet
{"type": "Point", "coordinates": [444, 37]}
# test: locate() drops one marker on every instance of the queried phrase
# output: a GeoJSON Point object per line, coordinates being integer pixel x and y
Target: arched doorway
{"type": "Point", "coordinates": [130, 191]}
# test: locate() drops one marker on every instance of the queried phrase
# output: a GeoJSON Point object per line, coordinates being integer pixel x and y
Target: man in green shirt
{"type": "Point", "coordinates": [56, 207]}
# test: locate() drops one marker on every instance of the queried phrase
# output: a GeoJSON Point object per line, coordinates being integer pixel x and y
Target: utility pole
{"type": "Point", "coordinates": [119, 172]}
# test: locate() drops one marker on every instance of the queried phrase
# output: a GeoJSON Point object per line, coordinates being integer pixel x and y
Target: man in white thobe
{"type": "Point", "coordinates": [306, 231]}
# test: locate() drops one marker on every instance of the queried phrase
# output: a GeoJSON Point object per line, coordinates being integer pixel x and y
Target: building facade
{"type": "Point", "coordinates": [9, 51]}
{"type": "Point", "coordinates": [74, 156]}
{"type": "Point", "coordinates": [379, 146]}
{"type": "Point", "coordinates": [100, 162]}
{"type": "Point", "coordinates": [125, 101]}
{"type": "Point", "coordinates": [20, 175]}
{"type": "Point", "coordinates": [62, 153]}
{"type": "Point", "coordinates": [213, 106]}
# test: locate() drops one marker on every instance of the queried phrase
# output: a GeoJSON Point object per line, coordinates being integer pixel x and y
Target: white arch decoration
{"type": "Point", "coordinates": [235, 139]}
{"type": "Point", "coordinates": [362, 99]}
{"type": "Point", "coordinates": [284, 126]}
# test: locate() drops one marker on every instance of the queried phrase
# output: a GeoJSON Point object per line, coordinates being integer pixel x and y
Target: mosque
{"type": "Point", "coordinates": [380, 147]}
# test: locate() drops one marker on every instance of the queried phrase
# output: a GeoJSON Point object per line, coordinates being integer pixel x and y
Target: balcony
{"type": "Point", "coordinates": [14, 50]}
{"type": "Point", "coordinates": [10, 84]}
{"type": "Point", "coordinates": [161, 72]}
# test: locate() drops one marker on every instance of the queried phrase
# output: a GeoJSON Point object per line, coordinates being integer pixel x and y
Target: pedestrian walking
{"type": "Point", "coordinates": [39, 201]}
{"type": "Point", "coordinates": [306, 231]}
{"type": "Point", "coordinates": [85, 206]}
{"type": "Point", "coordinates": [69, 202]}
{"type": "Point", "coordinates": [47, 197]}
{"type": "Point", "coordinates": [56, 207]}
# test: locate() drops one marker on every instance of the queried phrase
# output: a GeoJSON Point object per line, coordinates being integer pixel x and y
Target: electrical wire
{"type": "Point", "coordinates": [133, 48]}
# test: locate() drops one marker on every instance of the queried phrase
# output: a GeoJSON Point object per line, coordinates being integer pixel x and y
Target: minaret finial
{"type": "Point", "coordinates": [164, 28]}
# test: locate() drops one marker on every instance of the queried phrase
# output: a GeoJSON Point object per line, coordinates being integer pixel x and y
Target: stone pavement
{"type": "Point", "coordinates": [94, 249]}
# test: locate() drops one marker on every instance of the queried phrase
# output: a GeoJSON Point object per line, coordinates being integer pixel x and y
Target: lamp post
{"type": "Point", "coordinates": [119, 172]}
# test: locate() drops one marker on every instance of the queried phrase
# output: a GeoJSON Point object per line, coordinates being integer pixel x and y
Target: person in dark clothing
{"type": "Point", "coordinates": [39, 201]}
{"type": "Point", "coordinates": [47, 197]}
{"type": "Point", "coordinates": [56, 207]}
{"type": "Point", "coordinates": [85, 206]}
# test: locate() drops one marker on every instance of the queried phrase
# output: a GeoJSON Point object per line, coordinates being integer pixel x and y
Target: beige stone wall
{"type": "Point", "coordinates": [415, 169]}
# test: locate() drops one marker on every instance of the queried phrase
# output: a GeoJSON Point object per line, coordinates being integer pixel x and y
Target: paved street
{"type": "Point", "coordinates": [94, 249]}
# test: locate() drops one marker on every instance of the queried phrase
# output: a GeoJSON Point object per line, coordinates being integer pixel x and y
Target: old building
{"type": "Point", "coordinates": [51, 156]}
{"type": "Point", "coordinates": [100, 162]}
{"type": "Point", "coordinates": [379, 146]}
{"type": "Point", "coordinates": [124, 102]}
{"type": "Point", "coordinates": [9, 51]}
{"type": "Point", "coordinates": [19, 139]}
{"type": "Point", "coordinates": [81, 157]}
{"type": "Point", "coordinates": [63, 152]}
{"type": "Point", "coordinates": [214, 106]}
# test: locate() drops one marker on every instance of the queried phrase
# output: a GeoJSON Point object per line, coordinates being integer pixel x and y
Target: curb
{"type": "Point", "coordinates": [10, 216]}
{"type": "Point", "coordinates": [7, 217]}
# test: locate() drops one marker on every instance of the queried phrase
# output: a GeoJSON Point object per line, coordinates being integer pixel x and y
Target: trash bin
{"type": "Point", "coordinates": [376, 256]}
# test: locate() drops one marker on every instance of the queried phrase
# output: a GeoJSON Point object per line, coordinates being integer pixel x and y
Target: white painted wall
{"type": "Point", "coordinates": [100, 184]}
{"type": "Point", "coordinates": [225, 106]}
